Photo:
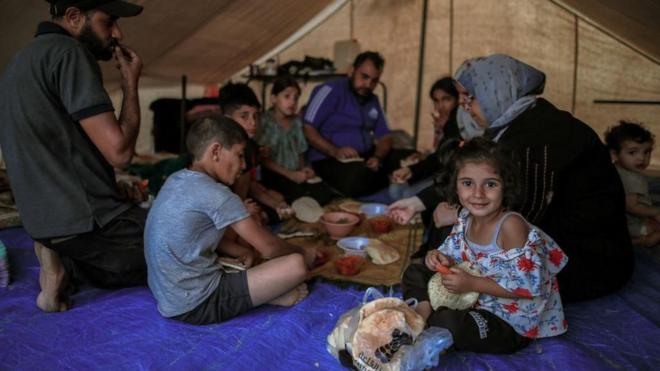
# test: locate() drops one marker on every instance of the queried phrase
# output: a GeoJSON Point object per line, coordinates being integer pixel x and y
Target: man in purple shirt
{"type": "Point", "coordinates": [350, 142]}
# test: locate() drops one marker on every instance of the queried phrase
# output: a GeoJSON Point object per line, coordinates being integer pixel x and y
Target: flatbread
{"type": "Point", "coordinates": [353, 159]}
{"type": "Point", "coordinates": [380, 253]}
{"type": "Point", "coordinates": [314, 180]}
{"type": "Point", "coordinates": [350, 207]}
{"type": "Point", "coordinates": [293, 234]}
{"type": "Point", "coordinates": [307, 209]}
{"type": "Point", "coordinates": [440, 297]}
{"type": "Point", "coordinates": [231, 263]}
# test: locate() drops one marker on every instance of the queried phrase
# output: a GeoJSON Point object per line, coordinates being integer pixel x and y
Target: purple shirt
{"type": "Point", "coordinates": [334, 111]}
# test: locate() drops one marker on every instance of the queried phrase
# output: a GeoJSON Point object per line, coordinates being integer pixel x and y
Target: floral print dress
{"type": "Point", "coordinates": [529, 272]}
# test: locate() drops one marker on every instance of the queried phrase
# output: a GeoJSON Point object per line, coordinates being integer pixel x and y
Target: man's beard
{"type": "Point", "coordinates": [94, 44]}
{"type": "Point", "coordinates": [363, 95]}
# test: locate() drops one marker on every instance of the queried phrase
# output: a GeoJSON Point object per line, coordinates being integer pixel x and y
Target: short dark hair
{"type": "Point", "coordinates": [482, 150]}
{"type": "Point", "coordinates": [374, 57]}
{"type": "Point", "coordinates": [283, 82]}
{"type": "Point", "coordinates": [445, 84]}
{"type": "Point", "coordinates": [232, 96]}
{"type": "Point", "coordinates": [213, 128]}
{"type": "Point", "coordinates": [636, 132]}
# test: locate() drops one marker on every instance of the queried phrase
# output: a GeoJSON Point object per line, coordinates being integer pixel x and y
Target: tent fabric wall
{"type": "Point", "coordinates": [581, 62]}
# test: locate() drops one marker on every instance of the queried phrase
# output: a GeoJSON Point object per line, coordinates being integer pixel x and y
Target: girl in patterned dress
{"type": "Point", "coordinates": [281, 131]}
{"type": "Point", "coordinates": [518, 263]}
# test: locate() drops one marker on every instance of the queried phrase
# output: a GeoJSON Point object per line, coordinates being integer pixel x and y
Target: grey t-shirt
{"type": "Point", "coordinates": [62, 183]}
{"type": "Point", "coordinates": [184, 226]}
{"type": "Point", "coordinates": [635, 183]}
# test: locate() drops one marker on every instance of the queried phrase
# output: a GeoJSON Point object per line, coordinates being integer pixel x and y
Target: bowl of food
{"type": "Point", "coordinates": [373, 209]}
{"type": "Point", "coordinates": [339, 223]}
{"type": "Point", "coordinates": [349, 265]}
{"type": "Point", "coordinates": [380, 224]}
{"type": "Point", "coordinates": [354, 245]}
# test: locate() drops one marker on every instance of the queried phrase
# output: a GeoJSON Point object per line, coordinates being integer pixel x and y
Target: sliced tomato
{"type": "Point", "coordinates": [443, 269]}
{"type": "Point", "coordinates": [349, 265]}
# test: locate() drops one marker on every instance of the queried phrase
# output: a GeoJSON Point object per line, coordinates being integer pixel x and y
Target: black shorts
{"type": "Point", "coordinates": [109, 256]}
{"type": "Point", "coordinates": [231, 298]}
{"type": "Point", "coordinates": [478, 330]}
{"type": "Point", "coordinates": [474, 330]}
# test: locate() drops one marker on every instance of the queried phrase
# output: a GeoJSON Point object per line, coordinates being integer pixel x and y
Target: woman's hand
{"type": "Point", "coordinates": [459, 282]}
{"type": "Point", "coordinates": [444, 215]}
{"type": "Point", "coordinates": [434, 258]}
{"type": "Point", "coordinates": [373, 163]}
{"type": "Point", "coordinates": [401, 175]}
{"type": "Point", "coordinates": [402, 211]}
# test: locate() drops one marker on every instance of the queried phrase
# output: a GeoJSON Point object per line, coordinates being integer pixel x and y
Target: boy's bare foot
{"type": "Point", "coordinates": [292, 297]}
{"type": "Point", "coordinates": [51, 280]}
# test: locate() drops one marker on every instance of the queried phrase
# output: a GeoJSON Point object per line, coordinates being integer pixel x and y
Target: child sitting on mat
{"type": "Point", "coordinates": [281, 131]}
{"type": "Point", "coordinates": [184, 230]}
{"type": "Point", "coordinates": [518, 263]}
{"type": "Point", "coordinates": [630, 145]}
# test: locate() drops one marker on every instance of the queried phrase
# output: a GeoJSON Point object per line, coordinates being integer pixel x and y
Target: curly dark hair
{"type": "Point", "coordinates": [480, 150]}
{"type": "Point", "coordinates": [636, 132]}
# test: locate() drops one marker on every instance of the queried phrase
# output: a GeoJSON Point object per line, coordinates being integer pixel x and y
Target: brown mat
{"type": "Point", "coordinates": [405, 239]}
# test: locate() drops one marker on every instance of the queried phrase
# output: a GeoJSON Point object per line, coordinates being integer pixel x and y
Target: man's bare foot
{"type": "Point", "coordinates": [292, 297]}
{"type": "Point", "coordinates": [51, 280]}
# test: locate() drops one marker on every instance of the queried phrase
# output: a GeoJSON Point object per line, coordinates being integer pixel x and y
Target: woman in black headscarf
{"type": "Point", "coordinates": [572, 190]}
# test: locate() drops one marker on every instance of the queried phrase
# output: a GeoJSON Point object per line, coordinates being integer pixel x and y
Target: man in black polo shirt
{"type": "Point", "coordinates": [61, 140]}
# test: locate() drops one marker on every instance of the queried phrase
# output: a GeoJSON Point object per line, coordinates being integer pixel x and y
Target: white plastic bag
{"type": "Point", "coordinates": [386, 334]}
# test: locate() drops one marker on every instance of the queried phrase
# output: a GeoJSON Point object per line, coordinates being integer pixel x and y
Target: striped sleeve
{"type": "Point", "coordinates": [321, 106]}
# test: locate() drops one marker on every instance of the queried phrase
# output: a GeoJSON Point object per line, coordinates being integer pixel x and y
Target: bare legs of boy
{"type": "Point", "coordinates": [51, 280]}
{"type": "Point", "coordinates": [278, 281]}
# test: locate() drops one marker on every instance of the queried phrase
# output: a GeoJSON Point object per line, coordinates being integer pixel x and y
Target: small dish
{"type": "Point", "coordinates": [354, 245]}
{"type": "Point", "coordinates": [338, 223]}
{"type": "Point", "coordinates": [373, 209]}
{"type": "Point", "coordinates": [349, 265]}
{"type": "Point", "coordinates": [380, 224]}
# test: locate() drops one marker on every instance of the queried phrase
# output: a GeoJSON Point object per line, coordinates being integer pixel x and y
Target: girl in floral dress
{"type": "Point", "coordinates": [518, 263]}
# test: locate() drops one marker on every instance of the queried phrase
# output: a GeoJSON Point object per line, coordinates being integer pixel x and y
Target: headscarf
{"type": "Point", "coordinates": [505, 87]}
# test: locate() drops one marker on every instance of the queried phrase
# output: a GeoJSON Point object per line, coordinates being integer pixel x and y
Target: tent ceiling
{"type": "Point", "coordinates": [210, 40]}
{"type": "Point", "coordinates": [635, 22]}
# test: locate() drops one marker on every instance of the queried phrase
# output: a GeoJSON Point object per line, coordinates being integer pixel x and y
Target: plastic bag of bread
{"type": "Point", "coordinates": [378, 335]}
{"type": "Point", "coordinates": [381, 253]}
{"type": "Point", "coordinates": [440, 297]}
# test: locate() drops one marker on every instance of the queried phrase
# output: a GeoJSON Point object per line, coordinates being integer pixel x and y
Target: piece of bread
{"type": "Point", "coordinates": [381, 253]}
{"type": "Point", "coordinates": [440, 297]}
{"type": "Point", "coordinates": [307, 209]}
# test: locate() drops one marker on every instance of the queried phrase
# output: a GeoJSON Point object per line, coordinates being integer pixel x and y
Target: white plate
{"type": "Point", "coordinates": [354, 245]}
{"type": "Point", "coordinates": [373, 209]}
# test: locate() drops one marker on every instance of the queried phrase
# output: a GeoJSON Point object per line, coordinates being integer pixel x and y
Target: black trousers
{"type": "Point", "coordinates": [108, 257]}
{"type": "Point", "coordinates": [291, 190]}
{"type": "Point", "coordinates": [474, 330]}
{"type": "Point", "coordinates": [354, 179]}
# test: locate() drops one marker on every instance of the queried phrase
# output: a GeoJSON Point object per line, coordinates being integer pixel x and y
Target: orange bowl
{"type": "Point", "coordinates": [380, 224]}
{"type": "Point", "coordinates": [338, 223]}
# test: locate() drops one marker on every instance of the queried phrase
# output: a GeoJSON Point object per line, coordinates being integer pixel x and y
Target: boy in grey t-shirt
{"type": "Point", "coordinates": [631, 145]}
{"type": "Point", "coordinates": [184, 230]}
